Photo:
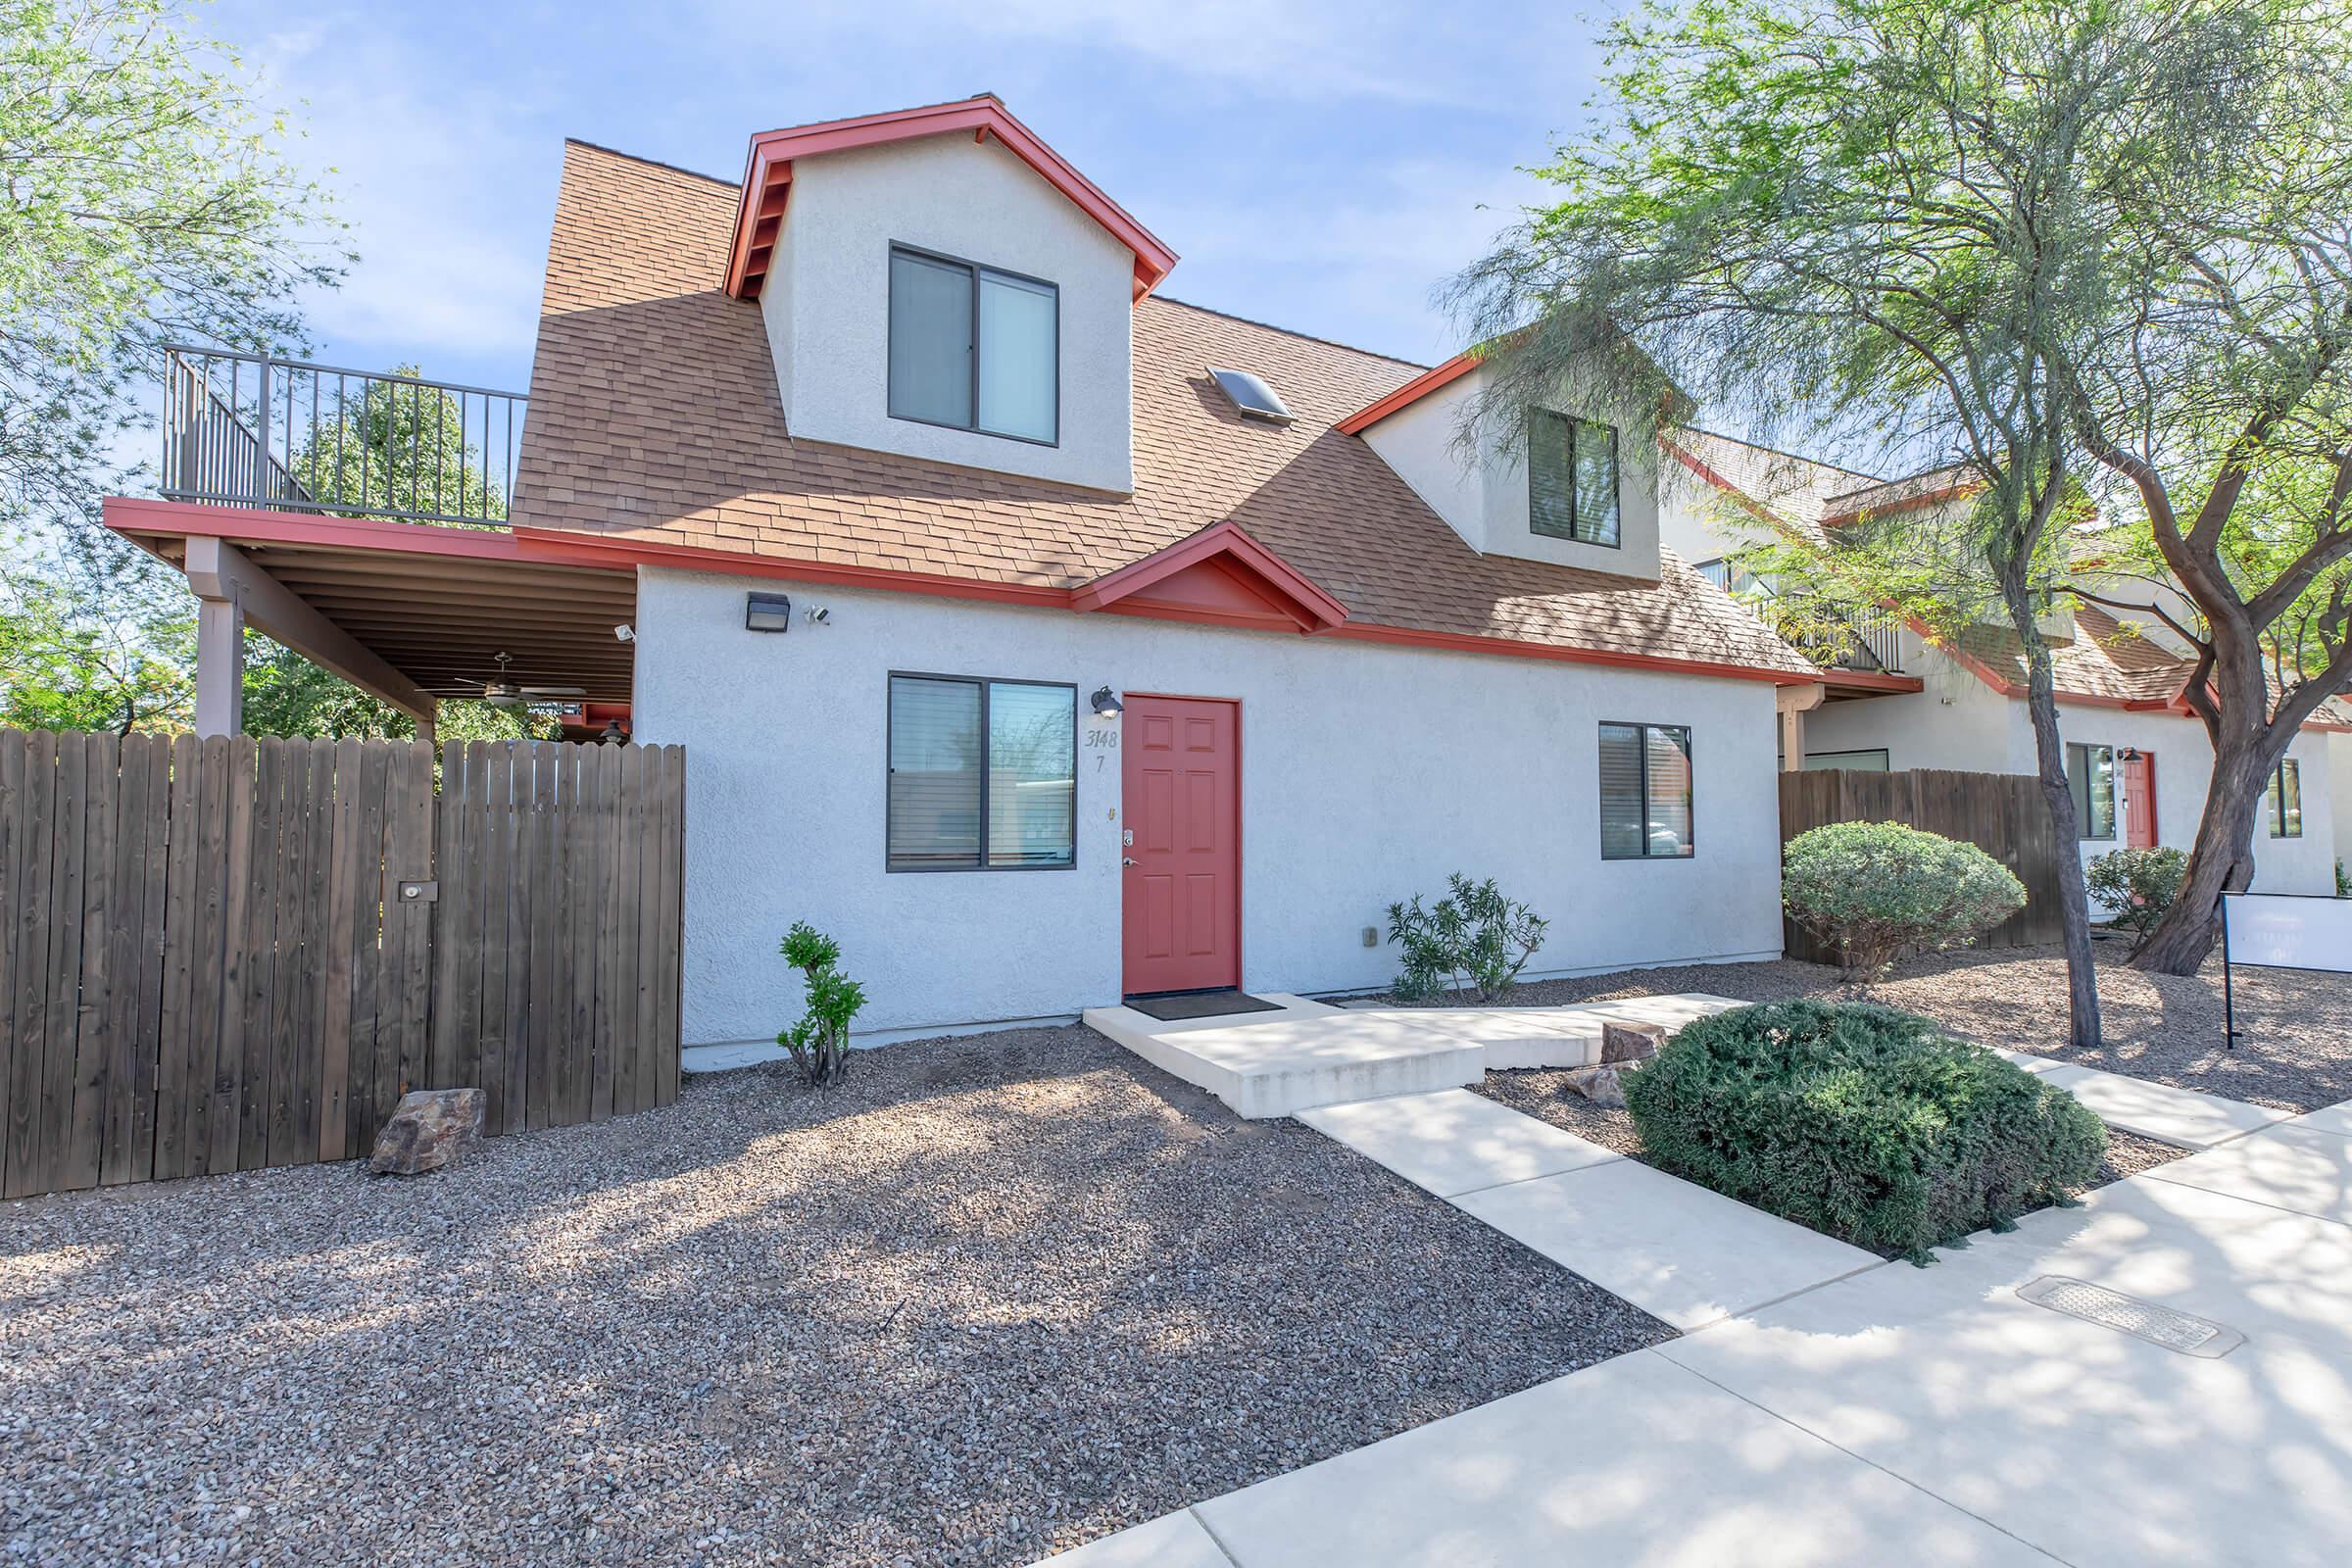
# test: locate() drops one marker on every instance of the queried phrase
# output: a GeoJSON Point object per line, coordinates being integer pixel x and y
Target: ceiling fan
{"type": "Point", "coordinates": [501, 691]}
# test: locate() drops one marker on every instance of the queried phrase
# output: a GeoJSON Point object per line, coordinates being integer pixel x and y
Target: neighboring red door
{"type": "Point", "coordinates": [2139, 800]}
{"type": "Point", "coordinates": [1182, 894]}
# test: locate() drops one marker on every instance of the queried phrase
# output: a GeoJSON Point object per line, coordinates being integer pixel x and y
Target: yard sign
{"type": "Point", "coordinates": [2282, 931]}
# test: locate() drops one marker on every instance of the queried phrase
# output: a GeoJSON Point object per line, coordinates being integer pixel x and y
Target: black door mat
{"type": "Point", "coordinates": [1200, 1005]}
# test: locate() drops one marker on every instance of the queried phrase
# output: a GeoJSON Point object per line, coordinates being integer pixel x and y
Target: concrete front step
{"type": "Point", "coordinates": [1304, 1054]}
{"type": "Point", "coordinates": [1308, 1054]}
{"type": "Point", "coordinates": [1555, 1037]}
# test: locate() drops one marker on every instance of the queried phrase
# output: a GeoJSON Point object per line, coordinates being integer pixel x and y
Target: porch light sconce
{"type": "Point", "coordinates": [2129, 754]}
{"type": "Point", "coordinates": [613, 734]}
{"type": "Point", "coordinates": [1106, 704]}
{"type": "Point", "coordinates": [768, 613]}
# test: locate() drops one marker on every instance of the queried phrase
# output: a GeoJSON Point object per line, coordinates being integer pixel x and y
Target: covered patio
{"type": "Point", "coordinates": [358, 520]}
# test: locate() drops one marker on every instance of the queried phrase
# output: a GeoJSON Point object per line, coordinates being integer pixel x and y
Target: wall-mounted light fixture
{"type": "Point", "coordinates": [613, 734]}
{"type": "Point", "coordinates": [768, 613]}
{"type": "Point", "coordinates": [1107, 704]}
{"type": "Point", "coordinates": [2129, 754]}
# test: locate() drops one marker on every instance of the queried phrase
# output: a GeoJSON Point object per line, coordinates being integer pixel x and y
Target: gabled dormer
{"type": "Point", "coordinates": [938, 282]}
{"type": "Point", "coordinates": [1568, 486]}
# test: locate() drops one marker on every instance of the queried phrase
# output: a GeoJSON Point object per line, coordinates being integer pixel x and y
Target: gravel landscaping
{"type": "Point", "coordinates": [991, 1298]}
{"type": "Point", "coordinates": [2295, 1048]}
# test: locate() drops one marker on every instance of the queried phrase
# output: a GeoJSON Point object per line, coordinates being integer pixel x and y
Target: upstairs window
{"type": "Point", "coordinates": [982, 774]}
{"type": "Point", "coordinates": [1572, 478]}
{"type": "Point", "coordinates": [2091, 776]}
{"type": "Point", "coordinates": [1645, 792]}
{"type": "Point", "coordinates": [2283, 797]}
{"type": "Point", "coordinates": [974, 349]}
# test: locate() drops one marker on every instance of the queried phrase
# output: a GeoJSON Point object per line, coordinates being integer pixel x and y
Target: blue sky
{"type": "Point", "coordinates": [1319, 166]}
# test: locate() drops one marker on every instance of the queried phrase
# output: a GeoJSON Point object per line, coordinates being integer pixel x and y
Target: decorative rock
{"type": "Point", "coordinates": [1630, 1042]}
{"type": "Point", "coordinates": [1599, 1085]}
{"type": "Point", "coordinates": [429, 1128]}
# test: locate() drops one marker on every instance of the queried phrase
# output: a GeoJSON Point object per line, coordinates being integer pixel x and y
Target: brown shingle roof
{"type": "Point", "coordinates": [2106, 659]}
{"type": "Point", "coordinates": [655, 419]}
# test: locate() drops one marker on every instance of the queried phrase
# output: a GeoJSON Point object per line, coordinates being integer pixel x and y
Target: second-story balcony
{"type": "Point", "coordinates": [1867, 642]}
{"type": "Point", "coordinates": [251, 430]}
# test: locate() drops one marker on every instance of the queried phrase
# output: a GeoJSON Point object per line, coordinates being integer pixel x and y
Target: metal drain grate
{"type": "Point", "coordinates": [2129, 1314]}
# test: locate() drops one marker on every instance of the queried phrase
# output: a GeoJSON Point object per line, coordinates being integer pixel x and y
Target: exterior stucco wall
{"type": "Point", "coordinates": [2339, 793]}
{"type": "Point", "coordinates": [828, 301]}
{"type": "Point", "coordinates": [1958, 722]}
{"type": "Point", "coordinates": [1368, 773]}
{"type": "Point", "coordinates": [1484, 498]}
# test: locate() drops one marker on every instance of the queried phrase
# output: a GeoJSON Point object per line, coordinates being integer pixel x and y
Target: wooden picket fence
{"type": "Point", "coordinates": [2001, 813]}
{"type": "Point", "coordinates": [229, 954]}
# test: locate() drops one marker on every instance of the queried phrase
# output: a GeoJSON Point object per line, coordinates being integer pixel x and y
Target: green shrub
{"type": "Point", "coordinates": [1876, 891]}
{"type": "Point", "coordinates": [2138, 885]}
{"type": "Point", "coordinates": [1860, 1121]}
{"type": "Point", "coordinates": [1474, 939]}
{"type": "Point", "coordinates": [820, 1042]}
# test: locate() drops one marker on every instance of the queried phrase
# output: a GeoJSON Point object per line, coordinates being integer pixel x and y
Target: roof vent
{"type": "Point", "coordinates": [1254, 399]}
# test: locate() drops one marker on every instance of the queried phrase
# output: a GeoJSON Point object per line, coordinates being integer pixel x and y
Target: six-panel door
{"type": "Point", "coordinates": [2139, 800]}
{"type": "Point", "coordinates": [1182, 882]}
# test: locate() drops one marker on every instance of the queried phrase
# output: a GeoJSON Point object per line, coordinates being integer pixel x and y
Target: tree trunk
{"type": "Point", "coordinates": [2050, 750]}
{"type": "Point", "coordinates": [2222, 860]}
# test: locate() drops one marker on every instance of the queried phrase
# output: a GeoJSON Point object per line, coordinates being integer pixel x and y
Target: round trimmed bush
{"type": "Point", "coordinates": [1863, 1122]}
{"type": "Point", "coordinates": [1876, 891]}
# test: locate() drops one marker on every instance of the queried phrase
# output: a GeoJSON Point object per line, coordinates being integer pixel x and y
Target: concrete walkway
{"type": "Point", "coordinates": [2159, 1376]}
{"type": "Point", "coordinates": [1675, 1250]}
{"type": "Point", "coordinates": [2162, 1375]}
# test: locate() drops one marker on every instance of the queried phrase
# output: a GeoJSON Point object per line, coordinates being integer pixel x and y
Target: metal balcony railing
{"type": "Point", "coordinates": [1870, 640]}
{"type": "Point", "coordinates": [250, 430]}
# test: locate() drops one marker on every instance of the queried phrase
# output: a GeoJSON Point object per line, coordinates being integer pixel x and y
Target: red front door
{"type": "Point", "coordinates": [1182, 898]}
{"type": "Point", "coordinates": [2139, 800]}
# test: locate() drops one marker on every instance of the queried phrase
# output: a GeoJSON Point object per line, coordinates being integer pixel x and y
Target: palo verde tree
{"type": "Point", "coordinates": [142, 201]}
{"type": "Point", "coordinates": [1876, 217]}
{"type": "Point", "coordinates": [2213, 400]}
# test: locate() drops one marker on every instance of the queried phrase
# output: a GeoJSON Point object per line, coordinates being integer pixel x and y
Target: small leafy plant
{"type": "Point", "coordinates": [1876, 891]}
{"type": "Point", "coordinates": [1473, 939]}
{"type": "Point", "coordinates": [819, 1043]}
{"type": "Point", "coordinates": [2138, 885]}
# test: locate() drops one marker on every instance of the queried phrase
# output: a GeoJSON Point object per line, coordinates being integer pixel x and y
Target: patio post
{"type": "Point", "coordinates": [219, 666]}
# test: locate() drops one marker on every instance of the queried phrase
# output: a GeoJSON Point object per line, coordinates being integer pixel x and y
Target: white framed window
{"type": "Point", "coordinates": [1572, 478]}
{"type": "Point", "coordinates": [1645, 792]}
{"type": "Point", "coordinates": [982, 774]}
{"type": "Point", "coordinates": [2091, 776]}
{"type": "Point", "coordinates": [973, 347]}
{"type": "Point", "coordinates": [2282, 796]}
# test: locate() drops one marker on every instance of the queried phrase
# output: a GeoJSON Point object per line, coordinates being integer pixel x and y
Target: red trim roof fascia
{"type": "Point", "coordinates": [134, 515]}
{"type": "Point", "coordinates": [735, 561]}
{"type": "Point", "coordinates": [1413, 391]}
{"type": "Point", "coordinates": [1316, 610]}
{"type": "Point", "coordinates": [774, 150]}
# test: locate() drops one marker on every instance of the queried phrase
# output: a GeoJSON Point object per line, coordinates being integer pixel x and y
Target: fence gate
{"type": "Point", "coordinates": [2001, 813]}
{"type": "Point", "coordinates": [228, 953]}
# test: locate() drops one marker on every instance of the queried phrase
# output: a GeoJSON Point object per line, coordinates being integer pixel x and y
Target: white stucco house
{"type": "Point", "coordinates": [1043, 639]}
{"type": "Point", "coordinates": [2137, 757]}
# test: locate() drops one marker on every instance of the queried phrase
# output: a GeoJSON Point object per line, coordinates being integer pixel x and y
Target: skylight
{"type": "Point", "coordinates": [1254, 399]}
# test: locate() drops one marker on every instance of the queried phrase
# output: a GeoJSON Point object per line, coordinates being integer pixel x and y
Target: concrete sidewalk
{"type": "Point", "coordinates": [2162, 1375]}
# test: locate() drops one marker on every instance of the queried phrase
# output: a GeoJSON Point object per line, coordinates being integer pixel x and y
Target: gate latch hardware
{"type": "Point", "coordinates": [420, 893]}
